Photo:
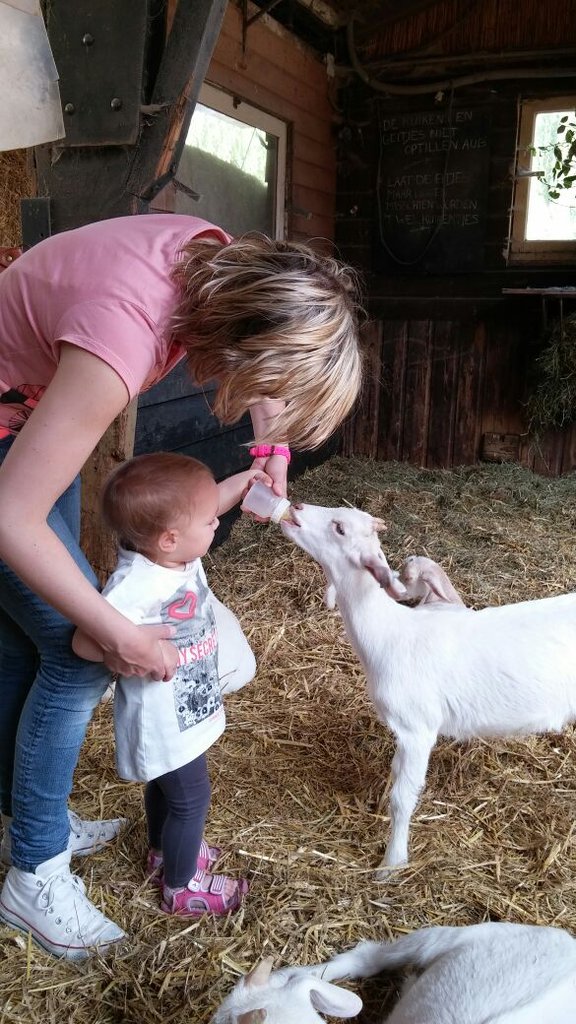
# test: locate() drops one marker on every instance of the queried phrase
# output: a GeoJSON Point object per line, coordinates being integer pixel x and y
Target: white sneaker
{"type": "Point", "coordinates": [85, 836]}
{"type": "Point", "coordinates": [50, 903]}
{"type": "Point", "coordinates": [90, 836]}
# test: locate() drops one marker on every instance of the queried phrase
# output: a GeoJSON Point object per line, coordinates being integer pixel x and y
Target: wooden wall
{"type": "Point", "coordinates": [449, 352]}
{"type": "Point", "coordinates": [446, 393]}
{"type": "Point", "coordinates": [283, 77]}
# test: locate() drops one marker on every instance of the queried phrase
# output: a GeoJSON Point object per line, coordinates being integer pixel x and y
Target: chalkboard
{"type": "Point", "coordinates": [432, 186]}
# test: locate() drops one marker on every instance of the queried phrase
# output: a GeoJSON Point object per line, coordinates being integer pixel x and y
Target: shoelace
{"type": "Point", "coordinates": [79, 829]}
{"type": "Point", "coordinates": [48, 894]}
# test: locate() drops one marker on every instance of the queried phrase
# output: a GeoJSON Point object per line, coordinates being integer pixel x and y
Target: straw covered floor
{"type": "Point", "coordinates": [300, 776]}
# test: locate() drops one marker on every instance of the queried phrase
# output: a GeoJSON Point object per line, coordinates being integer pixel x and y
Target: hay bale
{"type": "Point", "coordinates": [15, 184]}
{"type": "Point", "coordinates": [299, 777]}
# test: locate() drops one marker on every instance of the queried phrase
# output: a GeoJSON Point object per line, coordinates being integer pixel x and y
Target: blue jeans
{"type": "Point", "coordinates": [47, 696]}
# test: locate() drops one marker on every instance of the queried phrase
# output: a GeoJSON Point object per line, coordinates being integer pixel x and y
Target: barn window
{"type": "Point", "coordinates": [232, 170]}
{"type": "Point", "coordinates": [543, 227]}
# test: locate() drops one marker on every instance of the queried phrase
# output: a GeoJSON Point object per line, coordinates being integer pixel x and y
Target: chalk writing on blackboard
{"type": "Point", "coordinates": [432, 185]}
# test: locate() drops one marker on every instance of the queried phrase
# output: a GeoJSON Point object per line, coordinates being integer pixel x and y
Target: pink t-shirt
{"type": "Point", "coordinates": [105, 287]}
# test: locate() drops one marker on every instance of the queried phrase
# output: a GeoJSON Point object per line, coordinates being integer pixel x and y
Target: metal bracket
{"type": "Point", "coordinates": [99, 53]}
{"type": "Point", "coordinates": [35, 220]}
{"type": "Point", "coordinates": [246, 21]}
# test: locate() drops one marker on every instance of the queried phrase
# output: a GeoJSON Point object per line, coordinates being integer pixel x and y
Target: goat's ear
{"type": "Point", "coordinates": [383, 575]}
{"type": "Point", "coordinates": [260, 974]}
{"type": "Point", "coordinates": [378, 524]}
{"type": "Point", "coordinates": [252, 1017]}
{"type": "Point", "coordinates": [335, 1001]}
{"type": "Point", "coordinates": [436, 585]}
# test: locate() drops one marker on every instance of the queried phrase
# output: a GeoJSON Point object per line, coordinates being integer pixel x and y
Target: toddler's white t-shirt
{"type": "Point", "coordinates": [161, 726]}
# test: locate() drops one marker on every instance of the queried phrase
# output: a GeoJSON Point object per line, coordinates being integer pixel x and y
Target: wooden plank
{"type": "Point", "coordinates": [178, 384]}
{"type": "Point", "coordinates": [445, 357]}
{"type": "Point", "coordinates": [360, 434]}
{"type": "Point", "coordinates": [548, 454]}
{"type": "Point", "coordinates": [172, 425]}
{"type": "Point", "coordinates": [569, 451]}
{"type": "Point", "coordinates": [311, 151]}
{"type": "Point", "coordinates": [305, 121]}
{"type": "Point", "coordinates": [393, 390]}
{"type": "Point", "coordinates": [267, 39]}
{"type": "Point", "coordinates": [495, 406]}
{"type": "Point", "coordinates": [300, 88]}
{"type": "Point", "coordinates": [415, 441]}
{"type": "Point", "coordinates": [305, 226]}
{"type": "Point", "coordinates": [467, 432]}
{"type": "Point", "coordinates": [84, 184]}
{"type": "Point", "coordinates": [223, 453]}
{"type": "Point", "coordinates": [319, 178]}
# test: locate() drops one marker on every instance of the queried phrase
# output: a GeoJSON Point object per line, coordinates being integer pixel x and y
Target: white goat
{"type": "Point", "coordinates": [482, 974]}
{"type": "Point", "coordinates": [495, 672]}
{"type": "Point", "coordinates": [427, 582]}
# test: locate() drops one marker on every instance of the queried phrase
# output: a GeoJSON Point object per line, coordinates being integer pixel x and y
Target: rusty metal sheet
{"type": "Point", "coordinates": [30, 112]}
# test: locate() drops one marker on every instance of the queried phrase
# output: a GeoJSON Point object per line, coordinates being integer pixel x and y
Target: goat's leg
{"type": "Point", "coordinates": [409, 766]}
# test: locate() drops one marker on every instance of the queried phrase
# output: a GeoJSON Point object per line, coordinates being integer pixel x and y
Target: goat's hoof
{"type": "Point", "coordinates": [385, 872]}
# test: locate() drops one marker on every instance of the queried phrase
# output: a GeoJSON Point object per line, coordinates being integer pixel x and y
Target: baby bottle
{"type": "Point", "coordinates": [262, 501]}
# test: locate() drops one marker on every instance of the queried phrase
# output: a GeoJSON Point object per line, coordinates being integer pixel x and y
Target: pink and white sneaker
{"type": "Point", "coordinates": [204, 894]}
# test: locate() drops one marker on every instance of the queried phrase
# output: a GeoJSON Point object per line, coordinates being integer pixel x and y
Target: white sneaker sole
{"type": "Point", "coordinates": [57, 949]}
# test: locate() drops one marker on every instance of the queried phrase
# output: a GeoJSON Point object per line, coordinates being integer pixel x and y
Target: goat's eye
{"type": "Point", "coordinates": [339, 529]}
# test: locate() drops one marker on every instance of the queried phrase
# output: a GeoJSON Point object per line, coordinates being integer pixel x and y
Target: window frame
{"type": "Point", "coordinates": [521, 249]}
{"type": "Point", "coordinates": [216, 98]}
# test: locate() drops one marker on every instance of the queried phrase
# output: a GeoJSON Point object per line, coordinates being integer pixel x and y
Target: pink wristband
{"type": "Point", "coordinates": [262, 451]}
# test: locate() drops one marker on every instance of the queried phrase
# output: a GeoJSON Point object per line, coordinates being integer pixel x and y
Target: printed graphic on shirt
{"type": "Point", "coordinates": [195, 686]}
{"type": "Point", "coordinates": [24, 400]}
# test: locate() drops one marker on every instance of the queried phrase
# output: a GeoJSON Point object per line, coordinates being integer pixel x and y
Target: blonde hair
{"type": "Point", "coordinates": [144, 495]}
{"type": "Point", "coordinates": [270, 319]}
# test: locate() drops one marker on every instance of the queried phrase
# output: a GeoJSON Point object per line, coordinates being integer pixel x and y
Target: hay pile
{"type": "Point", "coordinates": [299, 777]}
{"type": "Point", "coordinates": [552, 399]}
{"type": "Point", "coordinates": [15, 184]}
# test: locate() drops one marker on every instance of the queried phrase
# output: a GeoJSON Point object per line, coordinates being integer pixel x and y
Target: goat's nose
{"type": "Point", "coordinates": [298, 504]}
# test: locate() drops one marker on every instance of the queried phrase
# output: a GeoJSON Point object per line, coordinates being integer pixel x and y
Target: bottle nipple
{"type": "Point", "coordinates": [262, 501]}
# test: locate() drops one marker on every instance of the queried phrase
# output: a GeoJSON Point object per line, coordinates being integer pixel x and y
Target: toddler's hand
{"type": "Point", "coordinates": [170, 656]}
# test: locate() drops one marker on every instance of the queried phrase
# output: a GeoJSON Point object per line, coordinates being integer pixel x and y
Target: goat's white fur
{"type": "Point", "coordinates": [481, 974]}
{"type": "Point", "coordinates": [428, 583]}
{"type": "Point", "coordinates": [285, 997]}
{"type": "Point", "coordinates": [499, 671]}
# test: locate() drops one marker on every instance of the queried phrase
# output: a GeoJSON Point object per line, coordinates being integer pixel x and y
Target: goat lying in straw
{"type": "Point", "coordinates": [495, 672]}
{"type": "Point", "coordinates": [482, 974]}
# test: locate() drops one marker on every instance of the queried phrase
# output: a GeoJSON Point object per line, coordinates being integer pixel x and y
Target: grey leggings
{"type": "Point", "coordinates": [176, 809]}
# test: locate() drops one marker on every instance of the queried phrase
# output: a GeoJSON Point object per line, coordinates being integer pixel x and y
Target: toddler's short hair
{"type": "Point", "coordinates": [144, 495]}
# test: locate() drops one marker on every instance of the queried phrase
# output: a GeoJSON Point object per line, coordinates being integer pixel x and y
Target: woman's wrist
{"type": "Point", "coordinates": [264, 451]}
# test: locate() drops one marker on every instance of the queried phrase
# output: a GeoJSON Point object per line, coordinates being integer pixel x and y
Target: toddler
{"type": "Point", "coordinates": [164, 509]}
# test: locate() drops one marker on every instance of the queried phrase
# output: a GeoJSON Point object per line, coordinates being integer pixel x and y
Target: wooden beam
{"type": "Point", "coordinates": [193, 34]}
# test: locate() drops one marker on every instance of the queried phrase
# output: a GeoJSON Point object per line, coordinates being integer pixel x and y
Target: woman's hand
{"type": "Point", "coordinates": [266, 416]}
{"type": "Point", "coordinates": [142, 651]}
{"type": "Point", "coordinates": [276, 466]}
